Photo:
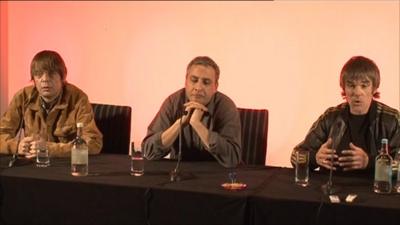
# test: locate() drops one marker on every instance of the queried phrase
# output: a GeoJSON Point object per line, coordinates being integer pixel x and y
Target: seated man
{"type": "Point", "coordinates": [354, 128]}
{"type": "Point", "coordinates": [209, 119]}
{"type": "Point", "coordinates": [50, 104]}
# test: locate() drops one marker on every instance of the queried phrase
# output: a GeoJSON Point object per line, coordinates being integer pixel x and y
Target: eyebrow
{"type": "Point", "coordinates": [199, 78]}
{"type": "Point", "coordinates": [364, 81]}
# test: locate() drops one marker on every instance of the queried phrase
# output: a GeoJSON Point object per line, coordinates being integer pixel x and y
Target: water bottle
{"type": "Point", "coordinates": [397, 165]}
{"type": "Point", "coordinates": [79, 154]}
{"type": "Point", "coordinates": [383, 169]}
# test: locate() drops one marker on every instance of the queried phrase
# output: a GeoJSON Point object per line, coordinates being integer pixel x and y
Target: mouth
{"type": "Point", "coordinates": [197, 96]}
{"type": "Point", "coordinates": [46, 88]}
{"type": "Point", "coordinates": [357, 102]}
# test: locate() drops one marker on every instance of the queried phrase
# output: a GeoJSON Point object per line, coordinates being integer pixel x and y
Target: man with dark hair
{"type": "Point", "coordinates": [209, 120]}
{"type": "Point", "coordinates": [358, 124]}
{"type": "Point", "coordinates": [50, 104]}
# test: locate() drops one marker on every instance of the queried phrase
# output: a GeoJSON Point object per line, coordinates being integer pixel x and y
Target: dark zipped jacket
{"type": "Point", "coordinates": [384, 122]}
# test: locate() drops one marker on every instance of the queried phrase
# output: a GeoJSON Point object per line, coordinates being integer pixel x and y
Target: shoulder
{"type": "Point", "coordinates": [72, 96]}
{"type": "Point", "coordinates": [28, 92]}
{"type": "Point", "coordinates": [335, 110]}
{"type": "Point", "coordinates": [330, 115]}
{"type": "Point", "coordinates": [72, 91]}
{"type": "Point", "coordinates": [387, 113]}
{"type": "Point", "coordinates": [173, 103]}
{"type": "Point", "coordinates": [177, 94]}
{"type": "Point", "coordinates": [176, 98]}
{"type": "Point", "coordinates": [385, 109]}
{"type": "Point", "coordinates": [223, 108]}
{"type": "Point", "coordinates": [224, 100]}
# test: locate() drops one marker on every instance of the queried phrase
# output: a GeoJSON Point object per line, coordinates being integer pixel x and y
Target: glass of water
{"type": "Point", "coordinates": [137, 161]}
{"type": "Point", "coordinates": [42, 152]}
{"type": "Point", "coordinates": [301, 168]}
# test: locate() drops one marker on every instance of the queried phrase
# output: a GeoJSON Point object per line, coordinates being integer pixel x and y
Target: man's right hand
{"type": "Point", "coordinates": [190, 108]}
{"type": "Point", "coordinates": [324, 155]}
{"type": "Point", "coordinates": [24, 147]}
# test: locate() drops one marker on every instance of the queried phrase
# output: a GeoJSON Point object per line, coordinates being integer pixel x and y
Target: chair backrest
{"type": "Point", "coordinates": [114, 122]}
{"type": "Point", "coordinates": [254, 135]}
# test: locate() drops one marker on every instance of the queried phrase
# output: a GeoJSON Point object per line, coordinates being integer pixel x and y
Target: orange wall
{"type": "Point", "coordinates": [3, 56]}
{"type": "Point", "coordinates": [283, 56]}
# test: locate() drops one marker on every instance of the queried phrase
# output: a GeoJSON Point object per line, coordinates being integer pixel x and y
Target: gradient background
{"type": "Point", "coordinates": [284, 56]}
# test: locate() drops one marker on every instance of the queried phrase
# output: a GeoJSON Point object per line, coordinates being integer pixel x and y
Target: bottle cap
{"type": "Point", "coordinates": [80, 124]}
{"type": "Point", "coordinates": [384, 141]}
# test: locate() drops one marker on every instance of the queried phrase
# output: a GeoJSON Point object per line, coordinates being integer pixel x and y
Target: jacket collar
{"type": "Point", "coordinates": [34, 99]}
{"type": "Point", "coordinates": [371, 111]}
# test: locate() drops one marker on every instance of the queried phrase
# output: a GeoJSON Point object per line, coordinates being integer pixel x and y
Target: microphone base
{"type": "Point", "coordinates": [329, 189]}
{"type": "Point", "coordinates": [176, 176]}
{"type": "Point", "coordinates": [19, 161]}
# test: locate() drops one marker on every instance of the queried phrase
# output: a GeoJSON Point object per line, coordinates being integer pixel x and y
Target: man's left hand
{"type": "Point", "coordinates": [197, 109]}
{"type": "Point", "coordinates": [354, 158]}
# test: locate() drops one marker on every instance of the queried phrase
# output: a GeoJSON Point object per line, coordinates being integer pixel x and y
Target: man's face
{"type": "Point", "coordinates": [201, 84]}
{"type": "Point", "coordinates": [48, 86]}
{"type": "Point", "coordinates": [359, 94]}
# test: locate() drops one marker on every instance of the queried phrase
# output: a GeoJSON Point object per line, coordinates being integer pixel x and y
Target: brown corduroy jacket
{"type": "Point", "coordinates": [60, 124]}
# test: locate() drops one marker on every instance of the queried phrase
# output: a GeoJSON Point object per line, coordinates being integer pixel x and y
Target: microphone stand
{"type": "Point", "coordinates": [176, 175]}
{"type": "Point", "coordinates": [14, 160]}
{"type": "Point", "coordinates": [328, 188]}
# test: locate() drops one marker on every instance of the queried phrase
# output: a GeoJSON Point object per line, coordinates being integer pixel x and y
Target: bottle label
{"type": "Point", "coordinates": [383, 171]}
{"type": "Point", "coordinates": [79, 156]}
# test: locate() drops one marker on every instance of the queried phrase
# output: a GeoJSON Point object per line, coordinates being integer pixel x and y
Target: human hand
{"type": "Point", "coordinates": [24, 147]}
{"type": "Point", "coordinates": [39, 142]}
{"type": "Point", "coordinates": [196, 111]}
{"type": "Point", "coordinates": [325, 154]}
{"type": "Point", "coordinates": [353, 158]}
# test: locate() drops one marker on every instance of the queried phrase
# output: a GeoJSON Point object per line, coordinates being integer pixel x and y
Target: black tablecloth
{"type": "Point", "coordinates": [109, 195]}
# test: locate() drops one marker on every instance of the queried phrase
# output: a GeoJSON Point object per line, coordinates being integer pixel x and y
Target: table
{"type": "Point", "coordinates": [109, 195]}
{"type": "Point", "coordinates": [280, 202]}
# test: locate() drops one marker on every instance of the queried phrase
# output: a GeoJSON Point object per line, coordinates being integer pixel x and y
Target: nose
{"type": "Point", "coordinates": [45, 76]}
{"type": "Point", "coordinates": [198, 86]}
{"type": "Point", "coordinates": [357, 90]}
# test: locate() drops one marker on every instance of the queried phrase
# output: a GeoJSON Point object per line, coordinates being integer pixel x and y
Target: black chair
{"type": "Point", "coordinates": [114, 122]}
{"type": "Point", "coordinates": [254, 135]}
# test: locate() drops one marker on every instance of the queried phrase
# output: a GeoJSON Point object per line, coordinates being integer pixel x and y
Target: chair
{"type": "Point", "coordinates": [114, 122]}
{"type": "Point", "coordinates": [254, 135]}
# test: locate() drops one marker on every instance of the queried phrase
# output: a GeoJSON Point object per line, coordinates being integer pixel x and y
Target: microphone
{"type": "Point", "coordinates": [185, 113]}
{"type": "Point", "coordinates": [335, 133]}
{"type": "Point", "coordinates": [15, 158]}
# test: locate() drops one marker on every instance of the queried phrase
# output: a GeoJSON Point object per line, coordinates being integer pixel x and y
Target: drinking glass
{"type": "Point", "coordinates": [301, 170]}
{"type": "Point", "coordinates": [42, 152]}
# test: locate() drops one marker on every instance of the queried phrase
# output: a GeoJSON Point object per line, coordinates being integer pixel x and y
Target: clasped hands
{"type": "Point", "coordinates": [28, 146]}
{"type": "Point", "coordinates": [195, 112]}
{"type": "Point", "coordinates": [350, 159]}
